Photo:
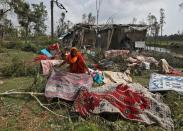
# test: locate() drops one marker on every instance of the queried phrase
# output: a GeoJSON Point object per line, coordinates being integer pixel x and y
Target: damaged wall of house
{"type": "Point", "coordinates": [89, 37]}
{"type": "Point", "coordinates": [108, 37]}
{"type": "Point", "coordinates": [121, 38]}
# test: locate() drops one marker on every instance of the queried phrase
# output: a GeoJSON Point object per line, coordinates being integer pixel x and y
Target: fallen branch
{"type": "Point", "coordinates": [46, 107]}
{"type": "Point", "coordinates": [20, 93]}
{"type": "Point", "coordinates": [33, 94]}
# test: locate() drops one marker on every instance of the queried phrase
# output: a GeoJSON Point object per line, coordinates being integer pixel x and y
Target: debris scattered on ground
{"type": "Point", "coordinates": [115, 53]}
{"type": "Point", "coordinates": [117, 68]}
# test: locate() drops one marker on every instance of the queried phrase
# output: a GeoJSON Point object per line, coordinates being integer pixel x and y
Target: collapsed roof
{"type": "Point", "coordinates": [114, 36]}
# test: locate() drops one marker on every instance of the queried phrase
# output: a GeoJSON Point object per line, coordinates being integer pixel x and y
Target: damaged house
{"type": "Point", "coordinates": [106, 36]}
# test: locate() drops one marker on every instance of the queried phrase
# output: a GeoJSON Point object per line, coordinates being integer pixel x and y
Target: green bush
{"type": "Point", "coordinates": [49, 42]}
{"type": "Point", "coordinates": [19, 68]}
{"type": "Point", "coordinates": [44, 42]}
{"type": "Point", "coordinates": [30, 48]}
{"type": "Point", "coordinates": [13, 45]}
{"type": "Point", "coordinates": [10, 45]}
{"type": "Point", "coordinates": [39, 84]}
{"type": "Point", "coordinates": [2, 50]}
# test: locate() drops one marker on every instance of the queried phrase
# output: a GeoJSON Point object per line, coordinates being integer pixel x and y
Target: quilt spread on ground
{"type": "Point", "coordinates": [132, 102]}
{"type": "Point", "coordinates": [66, 85]}
{"type": "Point", "coordinates": [47, 65]}
{"type": "Point", "coordinates": [116, 77]}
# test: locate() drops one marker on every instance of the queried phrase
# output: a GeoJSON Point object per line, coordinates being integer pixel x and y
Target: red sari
{"type": "Point", "coordinates": [78, 66]}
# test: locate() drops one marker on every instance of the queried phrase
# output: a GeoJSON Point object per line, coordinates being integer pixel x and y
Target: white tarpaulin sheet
{"type": "Point", "coordinates": [140, 44]}
{"type": "Point", "coordinates": [138, 28]}
{"type": "Point", "coordinates": [160, 82]}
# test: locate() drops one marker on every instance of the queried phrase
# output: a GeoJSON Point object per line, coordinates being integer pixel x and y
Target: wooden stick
{"type": "Point", "coordinates": [21, 93]}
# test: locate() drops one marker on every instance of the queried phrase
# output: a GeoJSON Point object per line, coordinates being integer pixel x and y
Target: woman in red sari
{"type": "Point", "coordinates": [76, 62]}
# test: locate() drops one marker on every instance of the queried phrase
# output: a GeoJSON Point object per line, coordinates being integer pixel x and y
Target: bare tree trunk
{"type": "Point", "coordinates": [26, 34]}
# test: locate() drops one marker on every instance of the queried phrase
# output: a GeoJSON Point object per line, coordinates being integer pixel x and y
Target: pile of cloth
{"type": "Point", "coordinates": [118, 95]}
{"type": "Point", "coordinates": [105, 64]}
{"type": "Point", "coordinates": [52, 52]}
{"type": "Point", "coordinates": [108, 77]}
{"type": "Point", "coordinates": [117, 77]}
{"type": "Point", "coordinates": [97, 75]}
{"type": "Point", "coordinates": [115, 53]}
{"type": "Point", "coordinates": [54, 49]}
{"type": "Point", "coordinates": [165, 68]}
{"type": "Point", "coordinates": [142, 61]}
{"type": "Point", "coordinates": [48, 65]}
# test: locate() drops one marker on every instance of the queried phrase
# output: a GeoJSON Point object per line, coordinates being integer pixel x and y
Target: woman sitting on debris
{"type": "Point", "coordinates": [76, 61]}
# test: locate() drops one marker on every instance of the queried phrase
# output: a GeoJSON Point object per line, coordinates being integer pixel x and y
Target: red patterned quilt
{"type": "Point", "coordinates": [133, 102]}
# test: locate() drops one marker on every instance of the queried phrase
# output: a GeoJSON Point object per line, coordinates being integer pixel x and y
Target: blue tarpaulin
{"type": "Point", "coordinates": [45, 52]}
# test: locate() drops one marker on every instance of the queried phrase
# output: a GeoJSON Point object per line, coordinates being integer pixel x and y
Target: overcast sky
{"type": "Point", "coordinates": [122, 11]}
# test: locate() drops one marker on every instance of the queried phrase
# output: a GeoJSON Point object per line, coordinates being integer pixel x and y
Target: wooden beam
{"type": "Point", "coordinates": [109, 39]}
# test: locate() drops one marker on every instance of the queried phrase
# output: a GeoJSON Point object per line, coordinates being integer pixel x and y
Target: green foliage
{"type": "Point", "coordinates": [27, 16]}
{"type": "Point", "coordinates": [19, 45]}
{"type": "Point", "coordinates": [18, 68]}
{"type": "Point", "coordinates": [10, 45]}
{"type": "Point", "coordinates": [40, 14]}
{"type": "Point", "coordinates": [172, 60]}
{"type": "Point", "coordinates": [39, 83]}
{"type": "Point", "coordinates": [120, 63]}
{"type": "Point", "coordinates": [174, 101]}
{"type": "Point", "coordinates": [63, 26]}
{"type": "Point", "coordinates": [2, 50]}
{"type": "Point", "coordinates": [30, 48]}
{"type": "Point", "coordinates": [24, 14]}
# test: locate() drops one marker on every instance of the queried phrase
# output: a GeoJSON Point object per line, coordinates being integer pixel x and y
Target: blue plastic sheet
{"type": "Point", "coordinates": [45, 52]}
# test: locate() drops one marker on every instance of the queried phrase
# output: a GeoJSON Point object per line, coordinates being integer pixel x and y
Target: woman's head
{"type": "Point", "coordinates": [73, 51]}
